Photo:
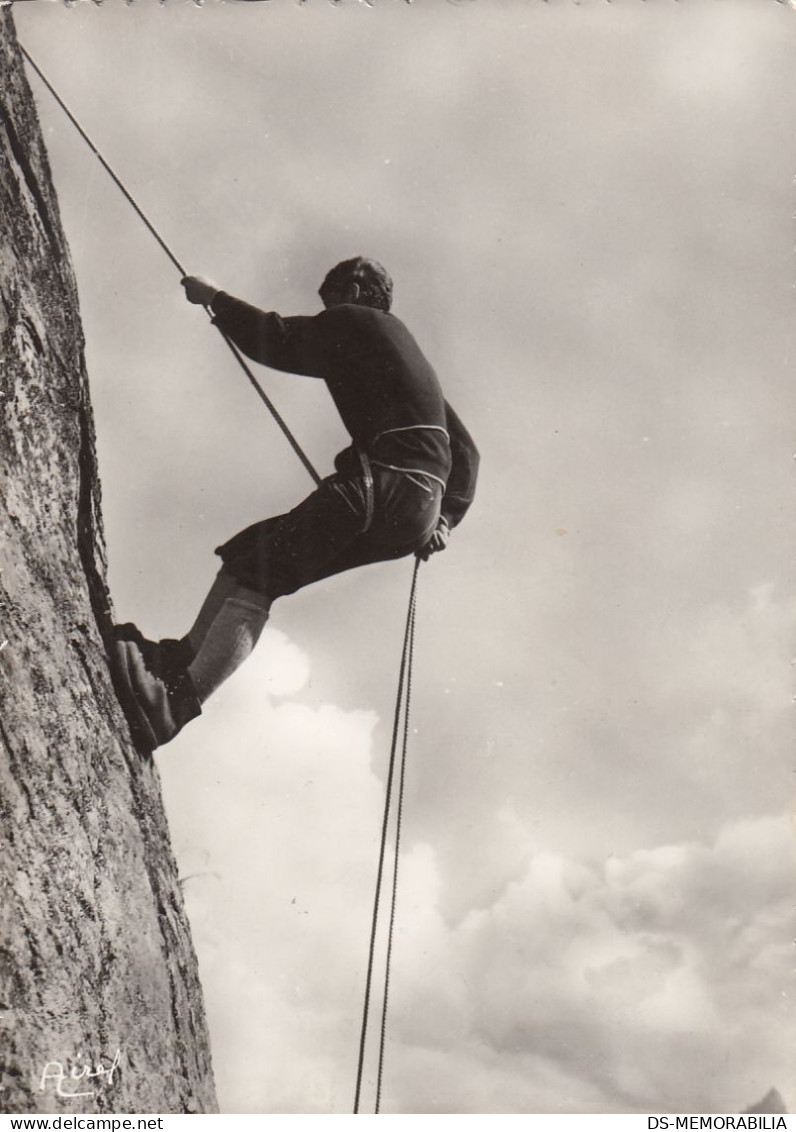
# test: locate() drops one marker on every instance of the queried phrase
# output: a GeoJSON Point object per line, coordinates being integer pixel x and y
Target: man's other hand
{"type": "Point", "coordinates": [437, 542]}
{"type": "Point", "coordinates": [199, 290]}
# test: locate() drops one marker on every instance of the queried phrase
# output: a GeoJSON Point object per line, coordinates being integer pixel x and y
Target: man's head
{"type": "Point", "coordinates": [358, 280]}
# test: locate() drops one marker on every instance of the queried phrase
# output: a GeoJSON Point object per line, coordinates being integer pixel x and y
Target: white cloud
{"type": "Point", "coordinates": [655, 981]}
{"type": "Point", "coordinates": [275, 810]}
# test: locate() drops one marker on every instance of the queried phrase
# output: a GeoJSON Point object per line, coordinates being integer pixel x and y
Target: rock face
{"type": "Point", "coordinates": [97, 970]}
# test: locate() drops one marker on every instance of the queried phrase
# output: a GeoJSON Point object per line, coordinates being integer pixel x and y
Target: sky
{"type": "Point", "coordinates": [587, 212]}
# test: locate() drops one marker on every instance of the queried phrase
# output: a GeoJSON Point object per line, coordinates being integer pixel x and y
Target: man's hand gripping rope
{"type": "Point", "coordinates": [438, 541]}
{"type": "Point", "coordinates": [199, 290]}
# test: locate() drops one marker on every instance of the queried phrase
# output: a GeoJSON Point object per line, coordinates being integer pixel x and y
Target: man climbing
{"type": "Point", "coordinates": [405, 482]}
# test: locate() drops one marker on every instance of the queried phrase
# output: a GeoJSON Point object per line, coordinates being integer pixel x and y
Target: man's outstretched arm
{"type": "Point", "coordinates": [263, 336]}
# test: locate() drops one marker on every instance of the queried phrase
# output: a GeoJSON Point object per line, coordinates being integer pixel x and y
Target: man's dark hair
{"type": "Point", "coordinates": [375, 285]}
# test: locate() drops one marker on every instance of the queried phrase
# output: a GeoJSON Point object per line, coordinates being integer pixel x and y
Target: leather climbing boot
{"type": "Point", "coordinates": [153, 684]}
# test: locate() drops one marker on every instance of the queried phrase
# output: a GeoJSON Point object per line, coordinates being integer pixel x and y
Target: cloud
{"type": "Point", "coordinates": [656, 980]}
{"type": "Point", "coordinates": [275, 816]}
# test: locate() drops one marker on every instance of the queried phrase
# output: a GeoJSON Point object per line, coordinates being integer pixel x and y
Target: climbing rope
{"type": "Point", "coordinates": [401, 718]}
{"type": "Point", "coordinates": [147, 222]}
{"type": "Point", "coordinates": [398, 820]}
{"type": "Point", "coordinates": [402, 701]}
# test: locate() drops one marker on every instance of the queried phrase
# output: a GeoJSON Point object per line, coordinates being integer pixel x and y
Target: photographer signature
{"type": "Point", "coordinates": [55, 1071]}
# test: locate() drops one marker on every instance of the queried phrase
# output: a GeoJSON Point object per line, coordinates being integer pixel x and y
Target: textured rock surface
{"type": "Point", "coordinates": [95, 950]}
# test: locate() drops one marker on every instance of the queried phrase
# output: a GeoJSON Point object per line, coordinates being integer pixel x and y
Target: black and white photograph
{"type": "Point", "coordinates": [397, 557]}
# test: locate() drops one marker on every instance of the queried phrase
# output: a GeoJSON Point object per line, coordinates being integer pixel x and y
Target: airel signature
{"type": "Point", "coordinates": [69, 1082]}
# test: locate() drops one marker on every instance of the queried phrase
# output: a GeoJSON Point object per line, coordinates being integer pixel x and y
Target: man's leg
{"type": "Point", "coordinates": [162, 684]}
{"type": "Point", "coordinates": [225, 633]}
{"type": "Point", "coordinates": [267, 561]}
{"type": "Point", "coordinates": [282, 555]}
{"type": "Point", "coordinates": [224, 586]}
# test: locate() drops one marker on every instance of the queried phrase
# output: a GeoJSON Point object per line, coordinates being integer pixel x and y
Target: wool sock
{"type": "Point", "coordinates": [228, 641]}
{"type": "Point", "coordinates": [223, 586]}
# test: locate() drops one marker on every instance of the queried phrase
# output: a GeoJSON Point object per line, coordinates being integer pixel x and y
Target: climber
{"type": "Point", "coordinates": [406, 481]}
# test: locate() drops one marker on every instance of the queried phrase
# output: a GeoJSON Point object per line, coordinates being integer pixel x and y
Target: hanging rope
{"type": "Point", "coordinates": [165, 247]}
{"type": "Point", "coordinates": [405, 674]}
{"type": "Point", "coordinates": [404, 686]}
{"type": "Point", "coordinates": [398, 821]}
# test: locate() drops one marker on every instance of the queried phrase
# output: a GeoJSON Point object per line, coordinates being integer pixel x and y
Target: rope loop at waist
{"type": "Point", "coordinates": [422, 477]}
{"type": "Point", "coordinates": [413, 428]}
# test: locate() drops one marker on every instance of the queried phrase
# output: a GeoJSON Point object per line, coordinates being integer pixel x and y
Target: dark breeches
{"type": "Point", "coordinates": [324, 534]}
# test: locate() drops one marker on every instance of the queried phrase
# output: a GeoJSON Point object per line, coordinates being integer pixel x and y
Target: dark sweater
{"type": "Point", "coordinates": [380, 381]}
